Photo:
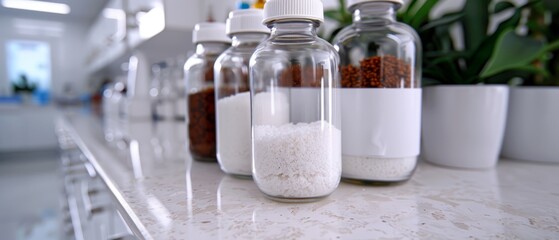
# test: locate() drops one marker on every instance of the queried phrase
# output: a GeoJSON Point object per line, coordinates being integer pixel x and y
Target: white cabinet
{"type": "Point", "coordinates": [146, 18]}
{"type": "Point", "coordinates": [160, 28]}
{"type": "Point", "coordinates": [106, 37]}
{"type": "Point", "coordinates": [27, 128]}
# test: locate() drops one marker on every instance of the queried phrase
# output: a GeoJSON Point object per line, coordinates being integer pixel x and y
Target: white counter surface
{"type": "Point", "coordinates": [172, 197]}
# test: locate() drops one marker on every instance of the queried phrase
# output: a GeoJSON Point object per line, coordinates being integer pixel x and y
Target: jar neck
{"type": "Point", "coordinates": [211, 47]}
{"type": "Point", "coordinates": [248, 40]}
{"type": "Point", "coordinates": [293, 28]}
{"type": "Point", "coordinates": [377, 12]}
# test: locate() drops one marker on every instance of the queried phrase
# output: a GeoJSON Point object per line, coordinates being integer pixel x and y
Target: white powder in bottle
{"type": "Point", "coordinates": [233, 134]}
{"type": "Point", "coordinates": [377, 169]}
{"type": "Point", "coordinates": [233, 127]}
{"type": "Point", "coordinates": [297, 161]}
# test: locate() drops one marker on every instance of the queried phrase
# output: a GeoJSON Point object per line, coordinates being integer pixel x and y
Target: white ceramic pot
{"type": "Point", "coordinates": [463, 126]}
{"type": "Point", "coordinates": [532, 131]}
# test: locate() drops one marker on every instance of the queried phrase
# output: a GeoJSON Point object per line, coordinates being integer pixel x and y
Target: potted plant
{"type": "Point", "coordinates": [464, 112]}
{"type": "Point", "coordinates": [532, 131]}
{"type": "Point", "coordinates": [24, 87]}
{"type": "Point", "coordinates": [465, 95]}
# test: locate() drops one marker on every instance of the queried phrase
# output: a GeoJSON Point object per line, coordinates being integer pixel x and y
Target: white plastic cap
{"type": "Point", "coordinates": [293, 9]}
{"type": "Point", "coordinates": [351, 3]}
{"type": "Point", "coordinates": [210, 32]}
{"type": "Point", "coordinates": [245, 20]}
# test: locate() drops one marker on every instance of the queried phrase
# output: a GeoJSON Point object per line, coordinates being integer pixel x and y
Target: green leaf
{"type": "Point", "coordinates": [426, 81]}
{"type": "Point", "coordinates": [514, 20]}
{"type": "Point", "coordinates": [340, 15]}
{"type": "Point", "coordinates": [422, 14]}
{"type": "Point", "coordinates": [444, 21]}
{"type": "Point", "coordinates": [505, 77]}
{"type": "Point", "coordinates": [502, 6]}
{"type": "Point", "coordinates": [481, 55]}
{"type": "Point", "coordinates": [448, 57]}
{"type": "Point", "coordinates": [342, 5]}
{"type": "Point", "coordinates": [451, 72]}
{"type": "Point", "coordinates": [333, 14]}
{"type": "Point", "coordinates": [345, 15]}
{"type": "Point", "coordinates": [512, 52]}
{"type": "Point", "coordinates": [408, 14]}
{"type": "Point", "coordinates": [476, 20]}
{"type": "Point", "coordinates": [551, 47]}
{"type": "Point", "coordinates": [551, 5]}
{"type": "Point", "coordinates": [442, 54]}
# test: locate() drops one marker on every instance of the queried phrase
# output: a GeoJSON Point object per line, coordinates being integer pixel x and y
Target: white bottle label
{"type": "Point", "coordinates": [381, 122]}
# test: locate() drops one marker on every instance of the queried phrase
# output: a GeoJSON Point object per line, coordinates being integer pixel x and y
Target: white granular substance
{"type": "Point", "coordinates": [233, 134]}
{"type": "Point", "coordinates": [233, 127]}
{"type": "Point", "coordinates": [297, 161]}
{"type": "Point", "coordinates": [377, 169]}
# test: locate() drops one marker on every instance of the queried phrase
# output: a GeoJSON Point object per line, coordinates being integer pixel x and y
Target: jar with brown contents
{"type": "Point", "coordinates": [381, 97]}
{"type": "Point", "coordinates": [211, 41]}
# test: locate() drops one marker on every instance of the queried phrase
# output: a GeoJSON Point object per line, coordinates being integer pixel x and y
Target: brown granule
{"type": "Point", "coordinates": [377, 72]}
{"type": "Point", "coordinates": [201, 125]}
{"type": "Point", "coordinates": [209, 72]}
{"type": "Point", "coordinates": [294, 76]}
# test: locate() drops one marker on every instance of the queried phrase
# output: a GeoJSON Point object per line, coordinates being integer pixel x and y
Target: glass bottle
{"type": "Point", "coordinates": [118, 102]}
{"type": "Point", "coordinates": [296, 143]}
{"type": "Point", "coordinates": [163, 92]}
{"type": "Point", "coordinates": [381, 94]}
{"type": "Point", "coordinates": [232, 91]}
{"type": "Point", "coordinates": [155, 86]}
{"type": "Point", "coordinates": [110, 112]}
{"type": "Point", "coordinates": [211, 41]}
{"type": "Point", "coordinates": [177, 77]}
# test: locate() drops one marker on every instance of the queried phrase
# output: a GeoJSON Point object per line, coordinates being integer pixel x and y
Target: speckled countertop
{"type": "Point", "coordinates": [164, 195]}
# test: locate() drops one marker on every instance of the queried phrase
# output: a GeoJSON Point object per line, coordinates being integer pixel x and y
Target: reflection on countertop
{"type": "Point", "coordinates": [163, 194]}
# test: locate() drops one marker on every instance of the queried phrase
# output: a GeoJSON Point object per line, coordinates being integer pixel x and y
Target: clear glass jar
{"type": "Point", "coordinates": [232, 91]}
{"type": "Point", "coordinates": [118, 118]}
{"type": "Point", "coordinates": [110, 112]}
{"type": "Point", "coordinates": [177, 77]}
{"type": "Point", "coordinates": [296, 143]}
{"type": "Point", "coordinates": [211, 41]}
{"type": "Point", "coordinates": [381, 94]}
{"type": "Point", "coordinates": [163, 92]}
{"type": "Point", "coordinates": [155, 85]}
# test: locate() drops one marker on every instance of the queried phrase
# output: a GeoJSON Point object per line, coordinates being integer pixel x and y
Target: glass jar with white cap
{"type": "Point", "coordinates": [211, 41]}
{"type": "Point", "coordinates": [381, 94]}
{"type": "Point", "coordinates": [232, 91]}
{"type": "Point", "coordinates": [295, 105]}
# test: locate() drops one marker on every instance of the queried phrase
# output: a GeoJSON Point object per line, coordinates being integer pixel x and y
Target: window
{"type": "Point", "coordinates": [29, 64]}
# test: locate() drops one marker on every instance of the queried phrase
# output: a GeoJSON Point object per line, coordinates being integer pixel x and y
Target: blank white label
{"type": "Point", "coordinates": [381, 122]}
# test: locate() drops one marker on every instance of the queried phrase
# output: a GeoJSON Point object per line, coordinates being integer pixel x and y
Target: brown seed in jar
{"type": "Point", "coordinates": [377, 72]}
{"type": "Point", "coordinates": [201, 124]}
{"type": "Point", "coordinates": [296, 76]}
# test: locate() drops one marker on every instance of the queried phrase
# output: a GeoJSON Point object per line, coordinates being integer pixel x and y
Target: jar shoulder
{"type": "Point", "coordinates": [192, 61]}
{"type": "Point", "coordinates": [199, 61]}
{"type": "Point", "coordinates": [377, 32]}
{"type": "Point", "coordinates": [318, 49]}
{"type": "Point", "coordinates": [234, 57]}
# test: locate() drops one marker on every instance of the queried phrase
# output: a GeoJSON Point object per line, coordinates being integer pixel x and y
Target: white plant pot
{"type": "Point", "coordinates": [532, 131]}
{"type": "Point", "coordinates": [463, 126]}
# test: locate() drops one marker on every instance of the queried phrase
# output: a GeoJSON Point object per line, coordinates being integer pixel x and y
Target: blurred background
{"type": "Point", "coordinates": [64, 57]}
